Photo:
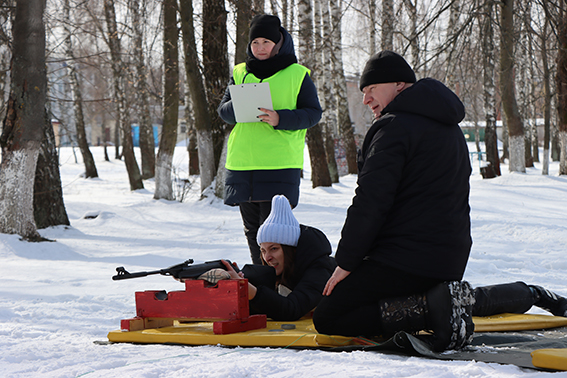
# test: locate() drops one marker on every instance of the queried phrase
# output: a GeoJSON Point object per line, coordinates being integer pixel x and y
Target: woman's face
{"type": "Point", "coordinates": [273, 255]}
{"type": "Point", "coordinates": [262, 48]}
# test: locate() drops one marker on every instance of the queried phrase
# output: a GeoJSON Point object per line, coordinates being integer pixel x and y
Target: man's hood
{"type": "Point", "coordinates": [429, 98]}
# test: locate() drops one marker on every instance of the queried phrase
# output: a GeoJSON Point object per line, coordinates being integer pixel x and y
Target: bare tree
{"type": "Point", "coordinates": [285, 12]}
{"type": "Point", "coordinates": [452, 36]}
{"type": "Point", "coordinates": [388, 24]}
{"type": "Point", "coordinates": [243, 17]}
{"type": "Point", "coordinates": [6, 16]}
{"type": "Point", "coordinates": [24, 123]}
{"type": "Point", "coordinates": [555, 14]}
{"type": "Point", "coordinates": [489, 89]}
{"type": "Point", "coordinates": [258, 6]}
{"type": "Point", "coordinates": [274, 7]}
{"type": "Point", "coordinates": [216, 73]}
{"type": "Point", "coordinates": [532, 151]}
{"type": "Point", "coordinates": [164, 189]}
{"type": "Point", "coordinates": [147, 141]}
{"type": "Point", "coordinates": [198, 95]}
{"type": "Point", "coordinates": [524, 73]}
{"type": "Point", "coordinates": [328, 118]}
{"type": "Point", "coordinates": [48, 206]}
{"type": "Point", "coordinates": [413, 35]}
{"type": "Point", "coordinates": [373, 22]}
{"type": "Point", "coordinates": [340, 89]}
{"type": "Point", "coordinates": [215, 66]}
{"type": "Point", "coordinates": [122, 115]}
{"type": "Point", "coordinates": [561, 82]}
{"type": "Point", "coordinates": [509, 104]}
{"type": "Point", "coordinates": [319, 169]}
{"type": "Point", "coordinates": [90, 167]}
{"type": "Point", "coordinates": [547, 95]}
{"type": "Point", "coordinates": [192, 150]}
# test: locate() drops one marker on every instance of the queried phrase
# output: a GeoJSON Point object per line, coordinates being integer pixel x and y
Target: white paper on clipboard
{"type": "Point", "coordinates": [247, 98]}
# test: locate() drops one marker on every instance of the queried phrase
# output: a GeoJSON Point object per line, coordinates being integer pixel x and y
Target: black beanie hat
{"type": "Point", "coordinates": [265, 26]}
{"type": "Point", "coordinates": [386, 67]}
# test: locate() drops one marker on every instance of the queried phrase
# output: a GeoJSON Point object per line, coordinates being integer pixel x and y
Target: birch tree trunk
{"type": "Point", "coordinates": [285, 12]}
{"type": "Point", "coordinates": [319, 170]}
{"type": "Point", "coordinates": [489, 88]}
{"type": "Point", "coordinates": [524, 82]}
{"type": "Point", "coordinates": [290, 20]}
{"type": "Point", "coordinates": [340, 89]}
{"type": "Point", "coordinates": [199, 102]}
{"type": "Point", "coordinates": [323, 46]}
{"type": "Point", "coordinates": [561, 80]}
{"type": "Point", "coordinates": [507, 85]}
{"type": "Point", "coordinates": [546, 97]}
{"type": "Point", "coordinates": [90, 167]}
{"type": "Point", "coordinates": [147, 141]}
{"type": "Point", "coordinates": [388, 24]}
{"type": "Point", "coordinates": [532, 151]}
{"type": "Point", "coordinates": [119, 78]}
{"type": "Point", "coordinates": [372, 27]}
{"type": "Point", "coordinates": [413, 37]}
{"type": "Point", "coordinates": [164, 189]}
{"type": "Point", "coordinates": [24, 124]}
{"type": "Point", "coordinates": [452, 35]}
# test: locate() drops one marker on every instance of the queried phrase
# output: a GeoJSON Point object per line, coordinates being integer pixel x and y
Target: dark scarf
{"type": "Point", "coordinates": [263, 69]}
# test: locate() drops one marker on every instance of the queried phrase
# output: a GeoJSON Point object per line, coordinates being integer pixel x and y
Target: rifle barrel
{"type": "Point", "coordinates": [123, 274]}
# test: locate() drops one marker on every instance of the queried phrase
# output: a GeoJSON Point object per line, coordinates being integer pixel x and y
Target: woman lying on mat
{"type": "Point", "coordinates": [300, 257]}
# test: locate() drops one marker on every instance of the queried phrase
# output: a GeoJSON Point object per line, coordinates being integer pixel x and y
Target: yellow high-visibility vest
{"type": "Point", "coordinates": [257, 145]}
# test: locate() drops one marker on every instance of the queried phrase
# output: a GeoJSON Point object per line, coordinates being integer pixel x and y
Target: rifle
{"type": "Point", "coordinates": [179, 271]}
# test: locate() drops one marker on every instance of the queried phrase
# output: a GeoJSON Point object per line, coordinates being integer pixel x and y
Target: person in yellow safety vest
{"type": "Point", "coordinates": [265, 158]}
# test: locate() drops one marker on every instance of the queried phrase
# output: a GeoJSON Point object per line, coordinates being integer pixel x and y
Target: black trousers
{"type": "Point", "coordinates": [253, 215]}
{"type": "Point", "coordinates": [353, 309]}
{"type": "Point", "coordinates": [514, 297]}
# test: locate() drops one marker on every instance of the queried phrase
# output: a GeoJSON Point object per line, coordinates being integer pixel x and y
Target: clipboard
{"type": "Point", "coordinates": [247, 98]}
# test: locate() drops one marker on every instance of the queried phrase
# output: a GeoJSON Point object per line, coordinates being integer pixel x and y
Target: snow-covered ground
{"type": "Point", "coordinates": [57, 298]}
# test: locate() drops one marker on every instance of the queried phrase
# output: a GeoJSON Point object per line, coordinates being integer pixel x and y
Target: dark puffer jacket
{"type": "Point", "coordinates": [411, 208]}
{"type": "Point", "coordinates": [313, 267]}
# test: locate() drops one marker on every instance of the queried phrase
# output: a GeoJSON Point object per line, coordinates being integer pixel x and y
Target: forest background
{"type": "Point", "coordinates": [98, 67]}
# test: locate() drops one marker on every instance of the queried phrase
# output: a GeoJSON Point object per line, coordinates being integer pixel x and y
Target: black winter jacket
{"type": "Point", "coordinates": [313, 267]}
{"type": "Point", "coordinates": [411, 208]}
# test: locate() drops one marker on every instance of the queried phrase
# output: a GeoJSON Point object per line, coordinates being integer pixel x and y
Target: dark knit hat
{"type": "Point", "coordinates": [386, 67]}
{"type": "Point", "coordinates": [265, 26]}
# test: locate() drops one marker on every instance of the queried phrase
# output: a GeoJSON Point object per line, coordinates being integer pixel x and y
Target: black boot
{"type": "Point", "coordinates": [549, 301]}
{"type": "Point", "coordinates": [516, 297]}
{"type": "Point", "coordinates": [445, 309]}
{"type": "Point", "coordinates": [450, 315]}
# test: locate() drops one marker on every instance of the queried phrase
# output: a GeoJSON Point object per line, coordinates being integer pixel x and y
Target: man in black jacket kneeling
{"type": "Point", "coordinates": [406, 239]}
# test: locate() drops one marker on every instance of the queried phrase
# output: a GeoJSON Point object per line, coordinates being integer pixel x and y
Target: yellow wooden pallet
{"type": "Point", "coordinates": [300, 333]}
{"type": "Point", "coordinates": [517, 322]}
{"type": "Point", "coordinates": [555, 359]}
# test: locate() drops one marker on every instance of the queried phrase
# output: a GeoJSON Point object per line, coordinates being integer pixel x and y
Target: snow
{"type": "Point", "coordinates": [57, 298]}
